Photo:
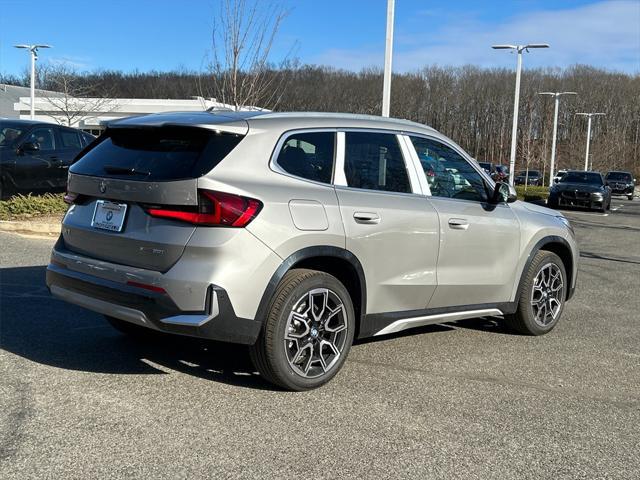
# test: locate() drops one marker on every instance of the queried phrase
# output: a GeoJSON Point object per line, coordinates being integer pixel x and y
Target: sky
{"type": "Point", "coordinates": [166, 35]}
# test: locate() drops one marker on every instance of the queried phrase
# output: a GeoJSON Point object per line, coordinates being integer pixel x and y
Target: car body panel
{"type": "Point", "coordinates": [398, 248]}
{"type": "Point", "coordinates": [475, 263]}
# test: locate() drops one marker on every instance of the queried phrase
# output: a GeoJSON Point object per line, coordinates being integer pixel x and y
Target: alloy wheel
{"type": "Point", "coordinates": [316, 333]}
{"type": "Point", "coordinates": [547, 294]}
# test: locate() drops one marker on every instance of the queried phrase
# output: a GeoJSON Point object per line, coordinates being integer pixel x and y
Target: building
{"type": "Point", "coordinates": [92, 114]}
{"type": "Point", "coordinates": [12, 94]}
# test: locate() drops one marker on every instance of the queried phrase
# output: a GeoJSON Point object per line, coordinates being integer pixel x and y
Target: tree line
{"type": "Point", "coordinates": [471, 105]}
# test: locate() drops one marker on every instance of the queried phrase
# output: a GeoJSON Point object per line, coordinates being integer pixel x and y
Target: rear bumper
{"type": "Point", "coordinates": [157, 311]}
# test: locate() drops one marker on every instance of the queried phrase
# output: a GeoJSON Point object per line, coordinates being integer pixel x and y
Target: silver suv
{"type": "Point", "coordinates": [296, 233]}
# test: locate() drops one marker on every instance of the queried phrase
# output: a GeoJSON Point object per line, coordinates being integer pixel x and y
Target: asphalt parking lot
{"type": "Point", "coordinates": [464, 400]}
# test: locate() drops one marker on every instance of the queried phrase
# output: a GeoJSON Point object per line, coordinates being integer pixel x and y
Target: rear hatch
{"type": "Point", "coordinates": [138, 167]}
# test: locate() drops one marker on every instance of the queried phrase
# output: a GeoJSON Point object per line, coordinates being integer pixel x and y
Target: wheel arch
{"type": "Point", "coordinates": [555, 244]}
{"type": "Point", "coordinates": [335, 261]}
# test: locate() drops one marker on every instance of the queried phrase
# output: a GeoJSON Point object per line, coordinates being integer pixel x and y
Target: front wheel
{"type": "Point", "coordinates": [630, 197]}
{"type": "Point", "coordinates": [308, 331]}
{"type": "Point", "coordinates": [542, 296]}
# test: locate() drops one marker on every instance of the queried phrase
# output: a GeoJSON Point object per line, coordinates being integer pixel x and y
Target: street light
{"type": "Point", "coordinates": [33, 49]}
{"type": "Point", "coordinates": [386, 86]}
{"type": "Point", "coordinates": [514, 131]}
{"type": "Point", "coordinates": [589, 116]}
{"type": "Point", "coordinates": [557, 96]}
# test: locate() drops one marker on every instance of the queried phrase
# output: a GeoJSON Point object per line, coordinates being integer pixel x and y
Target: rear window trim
{"type": "Point", "coordinates": [273, 161]}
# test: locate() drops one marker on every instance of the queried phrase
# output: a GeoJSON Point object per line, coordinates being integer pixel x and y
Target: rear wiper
{"type": "Point", "coordinates": [124, 170]}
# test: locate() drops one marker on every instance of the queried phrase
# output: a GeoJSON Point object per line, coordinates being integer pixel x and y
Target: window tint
{"type": "Point", "coordinates": [43, 137]}
{"type": "Point", "coordinates": [448, 173]}
{"type": "Point", "coordinates": [619, 176]}
{"type": "Point", "coordinates": [87, 138]}
{"type": "Point", "coordinates": [582, 177]}
{"type": "Point", "coordinates": [309, 155]}
{"type": "Point", "coordinates": [165, 153]}
{"type": "Point", "coordinates": [70, 139]}
{"type": "Point", "coordinates": [9, 133]}
{"type": "Point", "coordinates": [374, 161]}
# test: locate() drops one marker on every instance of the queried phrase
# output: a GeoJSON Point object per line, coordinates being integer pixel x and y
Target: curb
{"type": "Point", "coordinates": [30, 227]}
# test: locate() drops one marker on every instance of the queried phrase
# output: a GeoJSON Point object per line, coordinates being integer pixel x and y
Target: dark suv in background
{"type": "Point", "coordinates": [533, 177]}
{"type": "Point", "coordinates": [35, 156]}
{"type": "Point", "coordinates": [621, 183]}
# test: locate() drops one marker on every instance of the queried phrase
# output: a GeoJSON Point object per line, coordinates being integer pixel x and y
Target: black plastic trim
{"type": "Point", "coordinates": [304, 254]}
{"type": "Point", "coordinates": [538, 246]}
{"type": "Point", "coordinates": [225, 327]}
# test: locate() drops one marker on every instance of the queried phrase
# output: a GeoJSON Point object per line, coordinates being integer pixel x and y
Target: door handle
{"type": "Point", "coordinates": [54, 158]}
{"type": "Point", "coordinates": [458, 223]}
{"type": "Point", "coordinates": [366, 217]}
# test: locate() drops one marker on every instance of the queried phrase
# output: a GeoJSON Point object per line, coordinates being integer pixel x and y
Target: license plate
{"type": "Point", "coordinates": [109, 215]}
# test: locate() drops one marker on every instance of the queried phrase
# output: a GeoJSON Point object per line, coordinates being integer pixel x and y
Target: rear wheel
{"type": "Point", "coordinates": [630, 197]}
{"type": "Point", "coordinates": [308, 331]}
{"type": "Point", "coordinates": [542, 296]}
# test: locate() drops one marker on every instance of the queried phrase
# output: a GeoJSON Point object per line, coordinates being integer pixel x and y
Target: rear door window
{"type": "Point", "coordinates": [70, 139]}
{"type": "Point", "coordinates": [43, 137]}
{"type": "Point", "coordinates": [373, 161]}
{"type": "Point", "coordinates": [309, 155]}
{"type": "Point", "coordinates": [156, 154]}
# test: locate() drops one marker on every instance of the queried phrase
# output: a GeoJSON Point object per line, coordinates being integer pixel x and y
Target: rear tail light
{"type": "Point", "coordinates": [215, 209]}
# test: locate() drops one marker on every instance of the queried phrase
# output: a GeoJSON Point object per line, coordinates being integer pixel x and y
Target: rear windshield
{"type": "Point", "coordinates": [619, 176]}
{"type": "Point", "coordinates": [156, 154]}
{"type": "Point", "coordinates": [582, 177]}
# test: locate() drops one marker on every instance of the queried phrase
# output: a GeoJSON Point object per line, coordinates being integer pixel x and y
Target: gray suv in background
{"type": "Point", "coordinates": [295, 233]}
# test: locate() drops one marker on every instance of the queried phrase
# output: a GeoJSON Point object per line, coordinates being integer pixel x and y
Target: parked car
{"type": "Point", "coordinates": [295, 233]}
{"type": "Point", "coordinates": [532, 177]}
{"type": "Point", "coordinates": [559, 174]}
{"type": "Point", "coordinates": [501, 173]}
{"type": "Point", "coordinates": [35, 156]}
{"type": "Point", "coordinates": [578, 188]}
{"type": "Point", "coordinates": [487, 167]}
{"type": "Point", "coordinates": [621, 183]}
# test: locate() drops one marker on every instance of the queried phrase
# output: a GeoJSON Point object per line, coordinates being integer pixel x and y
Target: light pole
{"type": "Point", "coordinates": [516, 102]}
{"type": "Point", "coordinates": [386, 87]}
{"type": "Point", "coordinates": [33, 49]}
{"type": "Point", "coordinates": [589, 116]}
{"type": "Point", "coordinates": [556, 96]}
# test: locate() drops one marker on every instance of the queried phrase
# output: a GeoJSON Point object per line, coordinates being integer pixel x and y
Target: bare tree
{"type": "Point", "coordinates": [242, 40]}
{"type": "Point", "coordinates": [70, 96]}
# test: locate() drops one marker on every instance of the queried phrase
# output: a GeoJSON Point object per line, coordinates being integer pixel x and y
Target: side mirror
{"type": "Point", "coordinates": [29, 147]}
{"type": "Point", "coordinates": [504, 193]}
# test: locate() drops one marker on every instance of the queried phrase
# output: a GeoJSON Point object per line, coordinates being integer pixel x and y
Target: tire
{"type": "Point", "coordinates": [295, 349]}
{"type": "Point", "coordinates": [630, 197]}
{"type": "Point", "coordinates": [530, 320]}
{"type": "Point", "coordinates": [128, 328]}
